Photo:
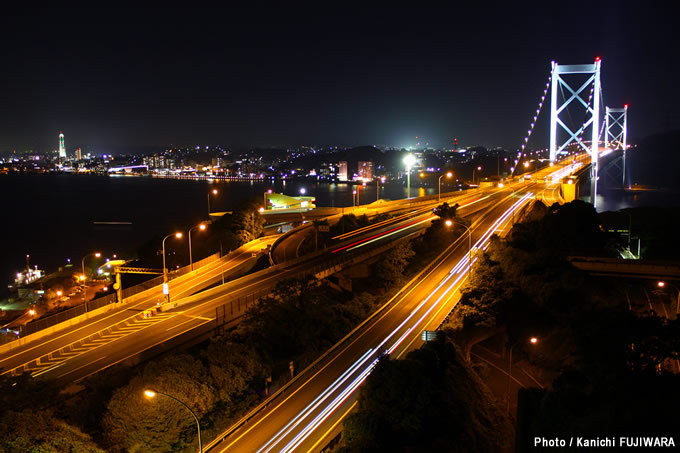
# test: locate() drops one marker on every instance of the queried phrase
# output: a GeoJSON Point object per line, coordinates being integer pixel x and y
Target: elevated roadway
{"type": "Point", "coordinates": [54, 350]}
{"type": "Point", "coordinates": [306, 414]}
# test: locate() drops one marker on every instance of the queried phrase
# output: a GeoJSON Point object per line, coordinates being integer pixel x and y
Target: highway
{"type": "Point", "coordinates": [46, 355]}
{"type": "Point", "coordinates": [128, 333]}
{"type": "Point", "coordinates": [310, 410]}
{"type": "Point", "coordinates": [307, 414]}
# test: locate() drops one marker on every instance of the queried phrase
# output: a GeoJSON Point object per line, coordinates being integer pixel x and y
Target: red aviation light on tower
{"type": "Point", "coordinates": [625, 106]}
{"type": "Point", "coordinates": [597, 59]}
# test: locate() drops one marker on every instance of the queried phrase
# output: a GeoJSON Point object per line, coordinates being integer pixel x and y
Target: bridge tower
{"type": "Point", "coordinates": [592, 113]}
{"type": "Point", "coordinates": [616, 119]}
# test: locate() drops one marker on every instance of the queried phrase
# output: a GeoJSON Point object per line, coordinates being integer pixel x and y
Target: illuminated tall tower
{"type": "Point", "coordinates": [62, 148]}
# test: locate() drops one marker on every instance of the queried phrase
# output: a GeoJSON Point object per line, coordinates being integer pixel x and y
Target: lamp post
{"type": "Point", "coordinates": [409, 160]}
{"type": "Point", "coordinates": [377, 187]}
{"type": "Point", "coordinates": [149, 393]}
{"type": "Point", "coordinates": [82, 262]}
{"type": "Point", "coordinates": [662, 284]}
{"type": "Point", "coordinates": [269, 191]}
{"type": "Point", "coordinates": [354, 198]}
{"type": "Point", "coordinates": [439, 193]}
{"type": "Point", "coordinates": [166, 288]}
{"type": "Point", "coordinates": [202, 227]}
{"type": "Point", "coordinates": [449, 223]}
{"type": "Point", "coordinates": [214, 192]}
{"type": "Point", "coordinates": [532, 340]}
{"type": "Point", "coordinates": [83, 277]}
{"type": "Point", "coordinates": [473, 173]}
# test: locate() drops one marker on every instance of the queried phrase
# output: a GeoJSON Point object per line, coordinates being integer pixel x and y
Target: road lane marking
{"type": "Point", "coordinates": [454, 246]}
{"type": "Point", "coordinates": [83, 366]}
{"type": "Point", "coordinates": [342, 417]}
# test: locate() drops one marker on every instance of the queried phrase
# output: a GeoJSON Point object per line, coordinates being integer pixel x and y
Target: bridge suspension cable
{"type": "Point", "coordinates": [532, 124]}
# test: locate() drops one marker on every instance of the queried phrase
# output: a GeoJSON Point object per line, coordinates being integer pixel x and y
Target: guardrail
{"type": "Point", "coordinates": [316, 270]}
{"type": "Point", "coordinates": [81, 309]}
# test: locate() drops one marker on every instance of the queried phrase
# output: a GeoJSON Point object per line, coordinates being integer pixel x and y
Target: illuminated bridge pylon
{"type": "Point", "coordinates": [558, 82]}
{"type": "Point", "coordinates": [616, 132]}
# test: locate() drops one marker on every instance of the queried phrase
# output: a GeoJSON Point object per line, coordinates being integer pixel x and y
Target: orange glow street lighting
{"type": "Point", "coordinates": [213, 192]}
{"type": "Point", "coordinates": [82, 262]}
{"type": "Point", "coordinates": [151, 394]}
{"type": "Point", "coordinates": [662, 284]}
{"type": "Point", "coordinates": [473, 173]}
{"type": "Point", "coordinates": [532, 340]}
{"type": "Point", "coordinates": [449, 223]}
{"type": "Point", "coordinates": [166, 288]}
{"type": "Point", "coordinates": [202, 227]}
{"type": "Point", "coordinates": [439, 194]}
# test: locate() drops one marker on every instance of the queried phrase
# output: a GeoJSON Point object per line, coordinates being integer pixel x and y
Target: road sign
{"type": "Point", "coordinates": [324, 228]}
{"type": "Point", "coordinates": [429, 335]}
{"type": "Point", "coordinates": [166, 289]}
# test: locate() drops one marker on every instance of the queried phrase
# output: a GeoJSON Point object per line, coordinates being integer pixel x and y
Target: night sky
{"type": "Point", "coordinates": [321, 75]}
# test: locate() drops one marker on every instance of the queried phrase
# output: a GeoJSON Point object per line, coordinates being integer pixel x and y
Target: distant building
{"type": "Point", "coordinates": [365, 170]}
{"type": "Point", "coordinates": [327, 171]}
{"type": "Point", "coordinates": [62, 148]}
{"type": "Point", "coordinates": [342, 170]}
{"type": "Point", "coordinates": [79, 154]}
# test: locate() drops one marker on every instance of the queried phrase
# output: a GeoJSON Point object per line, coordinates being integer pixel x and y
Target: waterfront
{"type": "Point", "coordinates": [51, 217]}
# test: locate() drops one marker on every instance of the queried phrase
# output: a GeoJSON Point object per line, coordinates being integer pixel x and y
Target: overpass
{"type": "Point", "coordinates": [614, 267]}
{"type": "Point", "coordinates": [306, 413]}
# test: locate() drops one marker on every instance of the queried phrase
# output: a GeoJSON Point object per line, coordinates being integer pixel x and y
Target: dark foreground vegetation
{"type": "Point", "coordinates": [604, 367]}
{"type": "Point", "coordinates": [220, 380]}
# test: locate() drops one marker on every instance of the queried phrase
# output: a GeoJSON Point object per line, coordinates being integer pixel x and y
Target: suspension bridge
{"type": "Point", "coordinates": [607, 128]}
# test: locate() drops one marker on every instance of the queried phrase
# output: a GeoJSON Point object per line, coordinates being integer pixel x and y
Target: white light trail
{"type": "Point", "coordinates": [459, 270]}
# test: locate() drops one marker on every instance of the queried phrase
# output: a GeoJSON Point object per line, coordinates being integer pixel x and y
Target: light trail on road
{"type": "Point", "coordinates": [354, 376]}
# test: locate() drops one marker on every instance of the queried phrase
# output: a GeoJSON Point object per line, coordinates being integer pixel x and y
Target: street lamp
{"type": "Point", "coordinates": [214, 192]}
{"type": "Point", "coordinates": [83, 276]}
{"type": "Point", "coordinates": [439, 194]}
{"type": "Point", "coordinates": [662, 284]}
{"type": "Point", "coordinates": [473, 173]}
{"type": "Point", "coordinates": [354, 198]}
{"type": "Point", "coordinates": [303, 191]}
{"type": "Point", "coordinates": [269, 191]}
{"type": "Point", "coordinates": [149, 393]}
{"type": "Point", "coordinates": [409, 160]}
{"type": "Point", "coordinates": [377, 187]}
{"type": "Point", "coordinates": [166, 289]}
{"type": "Point", "coordinates": [202, 227]}
{"type": "Point", "coordinates": [532, 340]}
{"type": "Point", "coordinates": [449, 223]}
{"type": "Point", "coordinates": [82, 262]}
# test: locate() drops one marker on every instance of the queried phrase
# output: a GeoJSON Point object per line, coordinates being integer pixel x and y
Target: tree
{"type": "Point", "coordinates": [431, 400]}
{"type": "Point", "coordinates": [136, 423]}
{"type": "Point", "coordinates": [390, 268]}
{"type": "Point", "coordinates": [444, 211]}
{"type": "Point", "coordinates": [41, 431]}
{"type": "Point", "coordinates": [247, 222]}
